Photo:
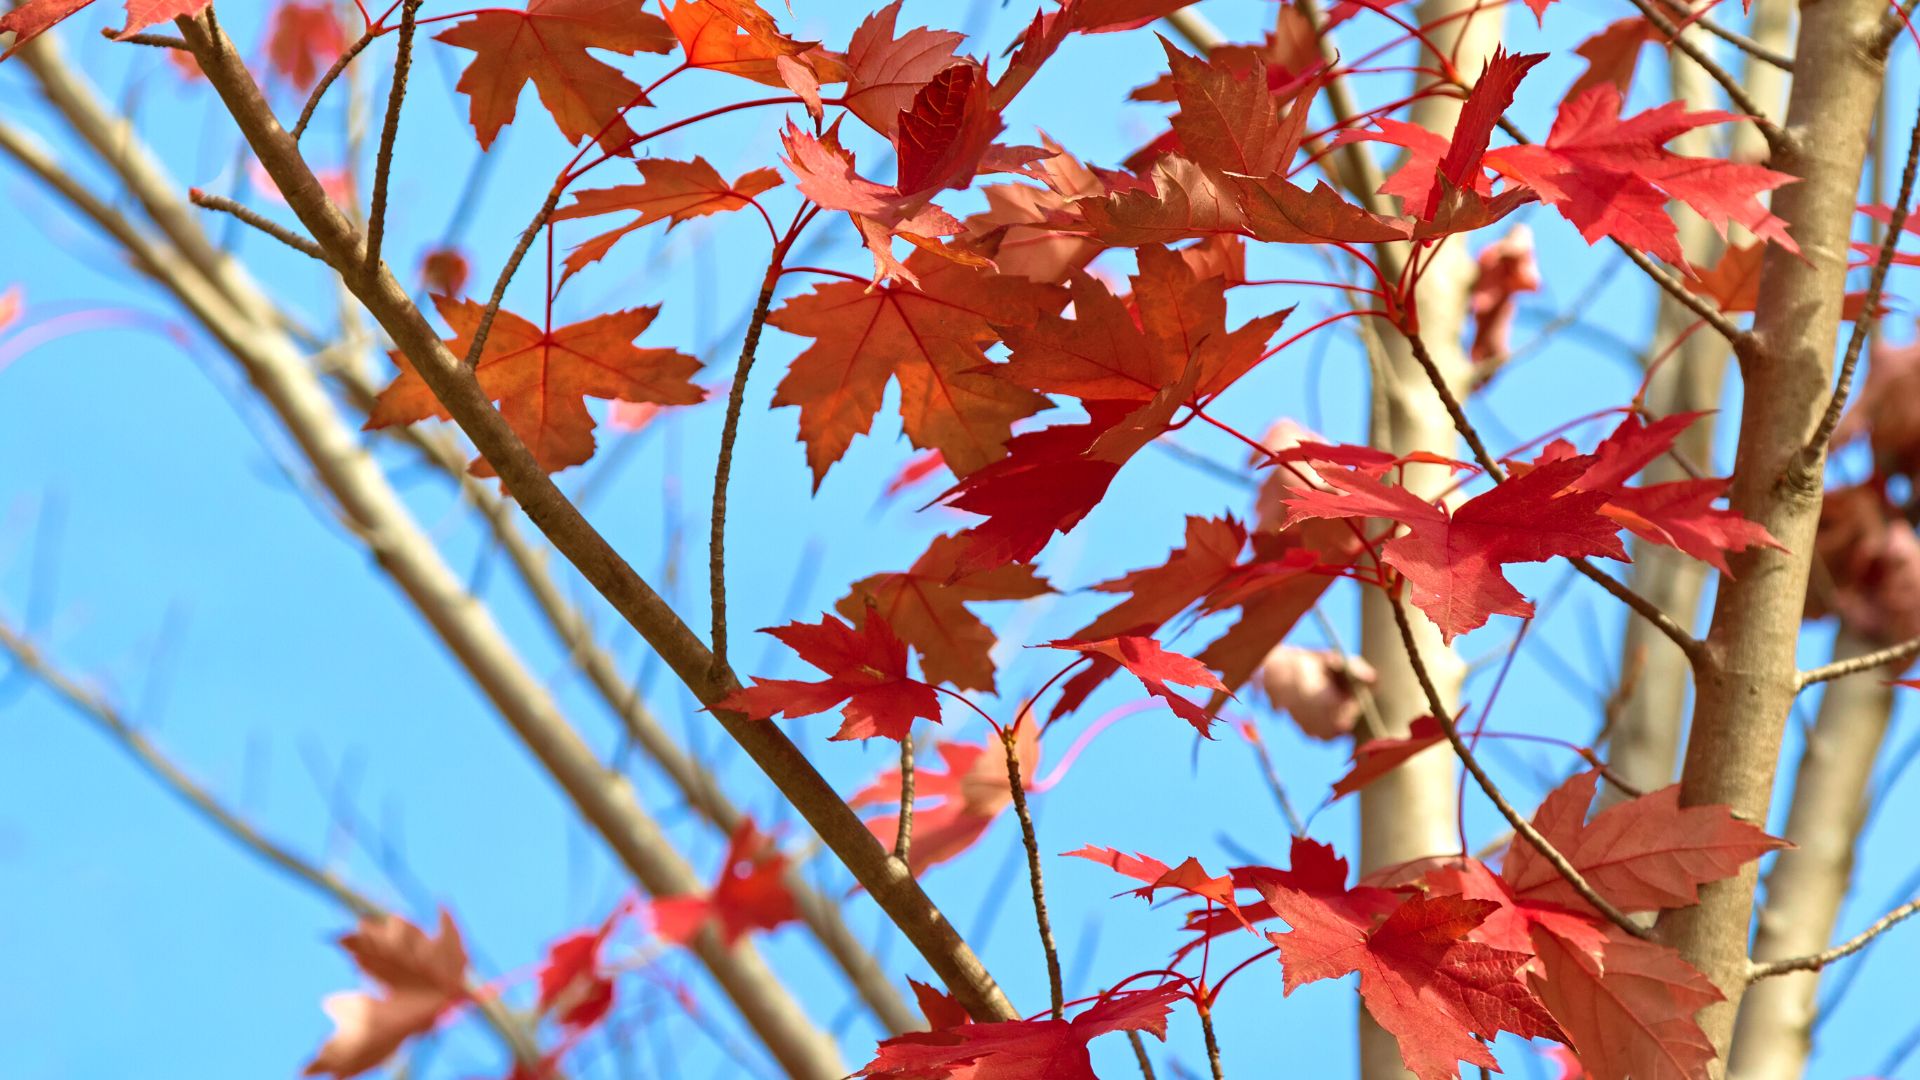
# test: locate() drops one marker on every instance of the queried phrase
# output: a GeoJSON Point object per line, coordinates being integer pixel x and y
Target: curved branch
{"type": "Point", "coordinates": [1848, 948]}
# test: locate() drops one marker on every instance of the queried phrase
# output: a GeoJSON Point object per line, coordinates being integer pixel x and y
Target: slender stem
{"type": "Point", "coordinates": [1763, 53]}
{"type": "Point", "coordinates": [1777, 139]}
{"type": "Point", "coordinates": [1876, 287]}
{"type": "Point", "coordinates": [327, 80]}
{"type": "Point", "coordinates": [499, 295]}
{"type": "Point", "coordinates": [1840, 669]}
{"type": "Point", "coordinates": [152, 41]}
{"type": "Point", "coordinates": [729, 432]}
{"type": "Point", "coordinates": [301, 244]}
{"type": "Point", "coordinates": [1852, 945]}
{"type": "Point", "coordinates": [1520, 824]}
{"type": "Point", "coordinates": [903, 835]}
{"type": "Point", "coordinates": [1140, 1055]}
{"type": "Point", "coordinates": [1206, 1031]}
{"type": "Point", "coordinates": [383, 161]}
{"type": "Point", "coordinates": [1032, 843]}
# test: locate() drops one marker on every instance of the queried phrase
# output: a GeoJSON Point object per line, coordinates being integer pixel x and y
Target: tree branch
{"type": "Point", "coordinates": [1032, 844]}
{"type": "Point", "coordinates": [327, 80]}
{"type": "Point", "coordinates": [730, 431]}
{"type": "Point", "coordinates": [1865, 662]}
{"type": "Point", "coordinates": [1777, 139]}
{"type": "Point", "coordinates": [1848, 948]}
{"type": "Point", "coordinates": [1520, 825]}
{"type": "Point", "coordinates": [389, 131]}
{"type": "Point", "coordinates": [208, 201]}
{"type": "Point", "coordinates": [889, 882]}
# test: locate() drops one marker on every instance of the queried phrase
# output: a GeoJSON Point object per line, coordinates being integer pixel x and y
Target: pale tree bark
{"type": "Point", "coordinates": [1746, 676]}
{"type": "Point", "coordinates": [223, 299]}
{"type": "Point", "coordinates": [1811, 880]}
{"type": "Point", "coordinates": [1410, 812]}
{"type": "Point", "coordinates": [1646, 716]}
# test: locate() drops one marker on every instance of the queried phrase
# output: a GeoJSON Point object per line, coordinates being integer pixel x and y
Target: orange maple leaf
{"type": "Point", "coordinates": [675, 191]}
{"type": "Point", "coordinates": [540, 377]}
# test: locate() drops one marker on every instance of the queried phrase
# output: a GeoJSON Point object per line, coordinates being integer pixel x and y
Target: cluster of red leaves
{"type": "Point", "coordinates": [1447, 949]}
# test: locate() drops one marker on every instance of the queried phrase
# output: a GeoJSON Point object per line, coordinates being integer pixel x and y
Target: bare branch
{"type": "Point", "coordinates": [209, 201]}
{"type": "Point", "coordinates": [152, 41]}
{"type": "Point", "coordinates": [903, 831]}
{"type": "Point", "coordinates": [327, 80]}
{"type": "Point", "coordinates": [1032, 844]}
{"type": "Point", "coordinates": [1866, 662]}
{"type": "Point", "coordinates": [1777, 139]}
{"type": "Point", "coordinates": [1847, 948]}
{"type": "Point", "coordinates": [729, 432]}
{"type": "Point", "coordinates": [389, 131]}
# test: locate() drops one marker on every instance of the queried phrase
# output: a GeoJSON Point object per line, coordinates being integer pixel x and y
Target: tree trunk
{"type": "Point", "coordinates": [1810, 881]}
{"type": "Point", "coordinates": [1747, 676]}
{"type": "Point", "coordinates": [1410, 812]}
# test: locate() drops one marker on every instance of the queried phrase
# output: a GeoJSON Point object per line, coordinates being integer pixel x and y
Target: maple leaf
{"type": "Point", "coordinates": [824, 172]}
{"type": "Point", "coordinates": [1868, 564]}
{"type": "Point", "coordinates": [1377, 757]}
{"type": "Point", "coordinates": [1614, 53]}
{"type": "Point", "coordinates": [1155, 667]}
{"type": "Point", "coordinates": [1679, 514]}
{"type": "Point", "coordinates": [445, 271]}
{"type": "Point", "coordinates": [673, 191]}
{"type": "Point", "coordinates": [941, 1009]}
{"type": "Point", "coordinates": [1023, 1049]}
{"type": "Point", "coordinates": [574, 986]}
{"type": "Point", "coordinates": [36, 17]}
{"type": "Point", "coordinates": [1318, 688]}
{"type": "Point", "coordinates": [1020, 219]}
{"type": "Point", "coordinates": [1644, 854]}
{"type": "Point", "coordinates": [1733, 283]}
{"type": "Point", "coordinates": [547, 44]}
{"type": "Point", "coordinates": [954, 805]}
{"type": "Point", "coordinates": [420, 978]}
{"type": "Point", "coordinates": [1176, 329]}
{"type": "Point", "coordinates": [885, 73]}
{"type": "Point", "coordinates": [1452, 558]}
{"type": "Point", "coordinates": [1229, 117]}
{"type": "Point", "coordinates": [305, 39]}
{"type": "Point", "coordinates": [1629, 1011]}
{"type": "Point", "coordinates": [739, 38]}
{"type": "Point", "coordinates": [540, 377]}
{"type": "Point", "coordinates": [1505, 269]}
{"type": "Point", "coordinates": [1188, 877]}
{"type": "Point", "coordinates": [1313, 870]}
{"type": "Point", "coordinates": [932, 338]}
{"type": "Point", "coordinates": [12, 302]}
{"type": "Point", "coordinates": [751, 894]}
{"type": "Point", "coordinates": [926, 606]}
{"type": "Point", "coordinates": [866, 667]}
{"type": "Point", "coordinates": [1419, 976]}
{"type": "Point", "coordinates": [1613, 177]}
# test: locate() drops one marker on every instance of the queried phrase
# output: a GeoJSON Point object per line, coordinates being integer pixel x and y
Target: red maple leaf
{"type": "Point", "coordinates": [419, 979]}
{"type": "Point", "coordinates": [305, 39]}
{"type": "Point", "coordinates": [1452, 558]}
{"type": "Point", "coordinates": [885, 73]}
{"type": "Point", "coordinates": [952, 806]}
{"type": "Point", "coordinates": [1613, 177]}
{"type": "Point", "coordinates": [1189, 877]}
{"type": "Point", "coordinates": [1505, 269]}
{"type": "Point", "coordinates": [1022, 1049]}
{"type": "Point", "coordinates": [866, 667]}
{"type": "Point", "coordinates": [1614, 53]}
{"type": "Point", "coordinates": [926, 606]}
{"type": "Point", "coordinates": [1377, 757]}
{"type": "Point", "coordinates": [1628, 1012]}
{"type": "Point", "coordinates": [574, 986]}
{"type": "Point", "coordinates": [540, 377]}
{"type": "Point", "coordinates": [547, 44]}
{"type": "Point", "coordinates": [931, 338]}
{"type": "Point", "coordinates": [1420, 977]}
{"type": "Point", "coordinates": [1644, 854]}
{"type": "Point", "coordinates": [1313, 870]}
{"type": "Point", "coordinates": [674, 191]}
{"type": "Point", "coordinates": [751, 894]}
{"type": "Point", "coordinates": [36, 17]}
{"type": "Point", "coordinates": [740, 38]}
{"type": "Point", "coordinates": [1155, 667]}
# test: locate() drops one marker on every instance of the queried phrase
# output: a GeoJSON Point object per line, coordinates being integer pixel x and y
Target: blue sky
{"type": "Point", "coordinates": [150, 537]}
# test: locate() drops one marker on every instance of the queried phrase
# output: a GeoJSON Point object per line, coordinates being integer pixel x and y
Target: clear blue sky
{"type": "Point", "coordinates": [147, 531]}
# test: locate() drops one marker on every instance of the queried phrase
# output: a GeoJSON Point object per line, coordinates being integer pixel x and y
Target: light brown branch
{"type": "Point", "coordinates": [1848, 948]}
{"type": "Point", "coordinates": [729, 432]}
{"type": "Point", "coordinates": [206, 200]}
{"type": "Point", "coordinates": [892, 887]}
{"type": "Point", "coordinates": [903, 830]}
{"type": "Point", "coordinates": [1736, 91]}
{"type": "Point", "coordinates": [1032, 844]}
{"type": "Point", "coordinates": [327, 80]}
{"type": "Point", "coordinates": [1864, 662]}
{"type": "Point", "coordinates": [389, 131]}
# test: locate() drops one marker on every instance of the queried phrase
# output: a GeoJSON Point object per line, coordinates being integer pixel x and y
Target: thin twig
{"type": "Point", "coordinates": [389, 131]}
{"type": "Point", "coordinates": [154, 41]}
{"type": "Point", "coordinates": [1032, 842]}
{"type": "Point", "coordinates": [1840, 669]}
{"type": "Point", "coordinates": [1777, 140]}
{"type": "Point", "coordinates": [729, 432]}
{"type": "Point", "coordinates": [1876, 287]}
{"type": "Point", "coordinates": [1745, 44]}
{"type": "Point", "coordinates": [209, 201]}
{"type": "Point", "coordinates": [1642, 606]}
{"type": "Point", "coordinates": [499, 295]}
{"type": "Point", "coordinates": [903, 834]}
{"type": "Point", "coordinates": [1852, 945]}
{"type": "Point", "coordinates": [326, 81]}
{"type": "Point", "coordinates": [1521, 826]}
{"type": "Point", "coordinates": [1213, 1043]}
{"type": "Point", "coordinates": [1140, 1055]}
